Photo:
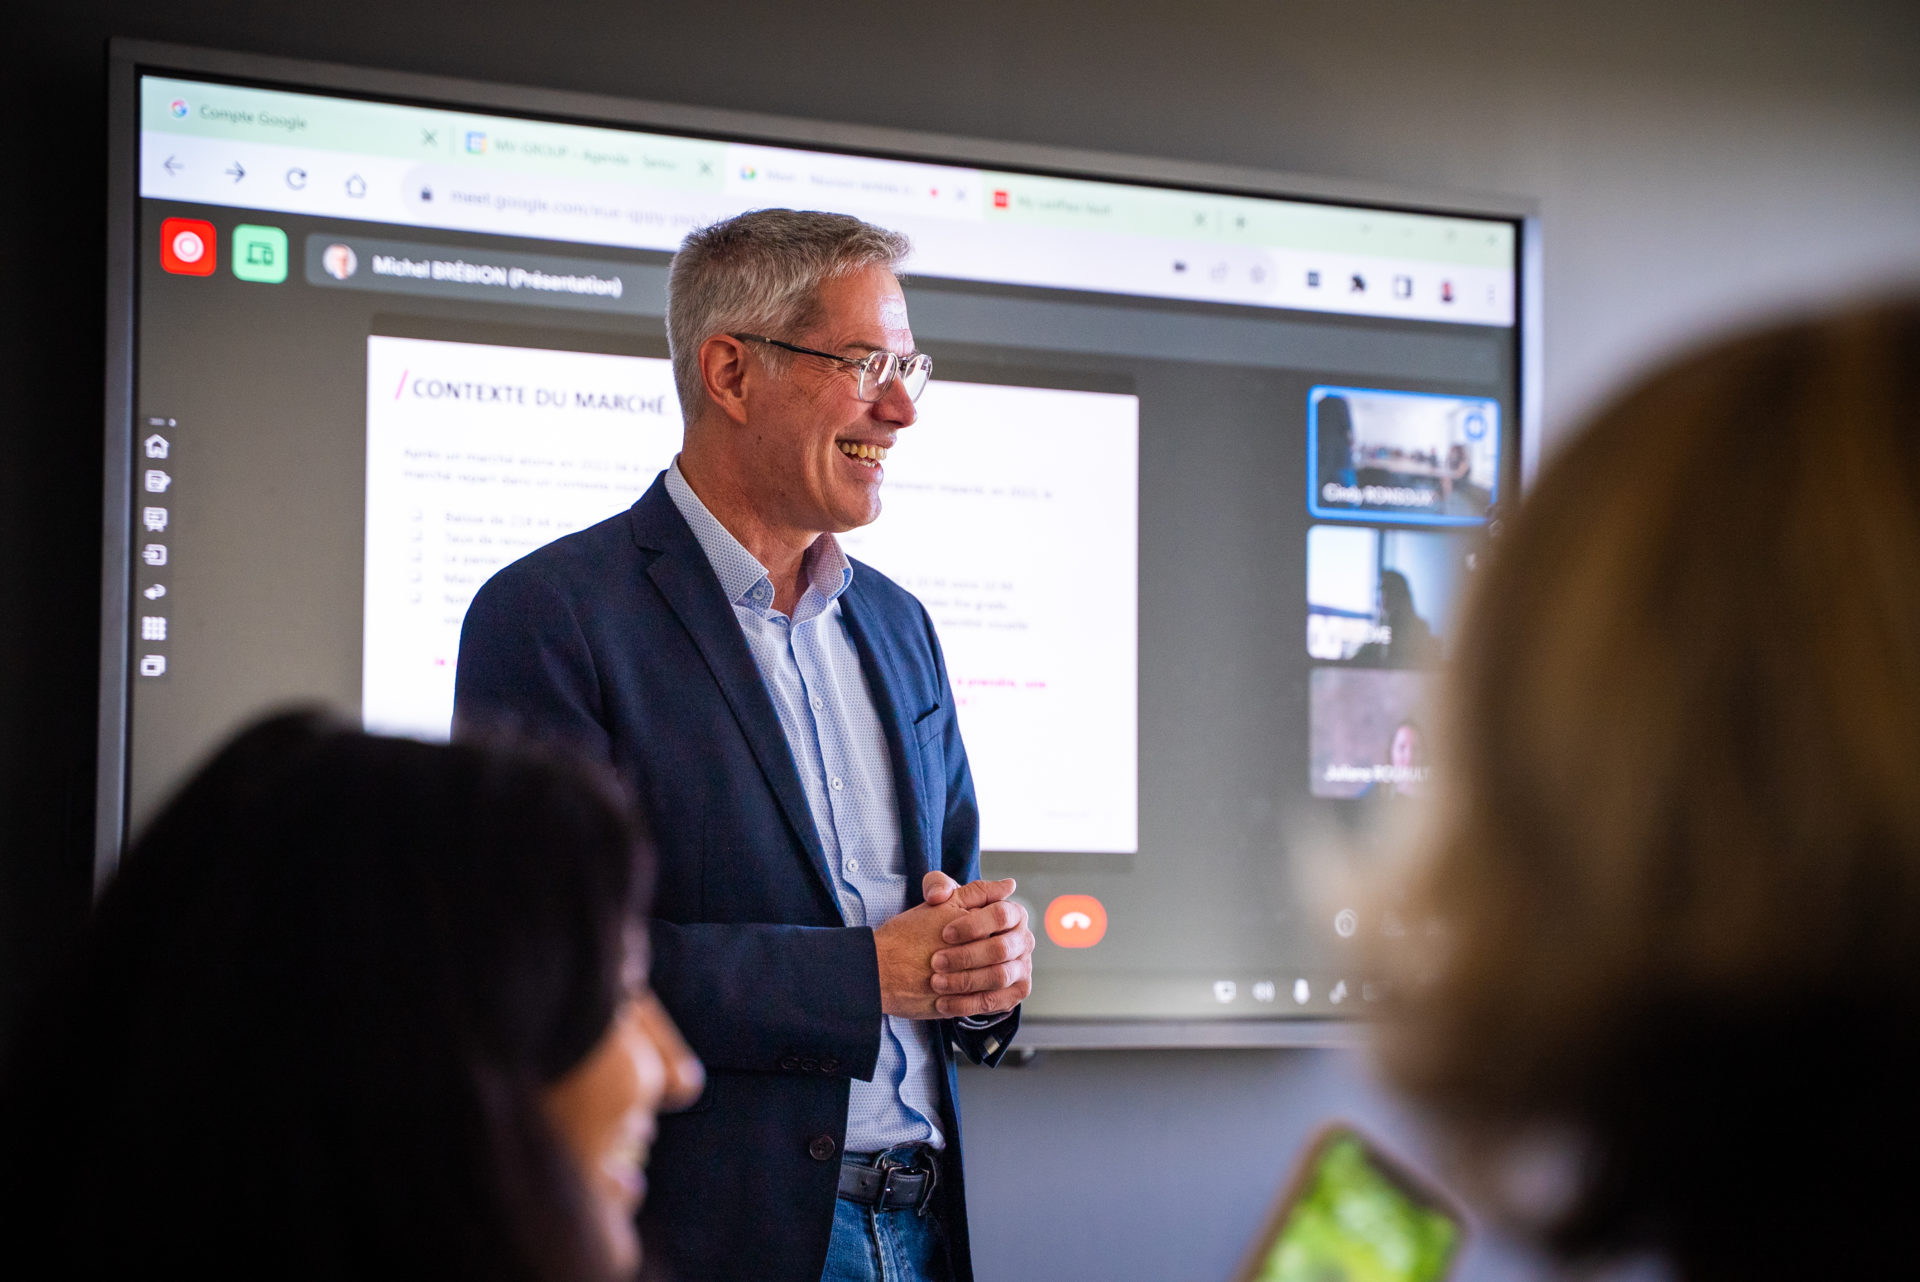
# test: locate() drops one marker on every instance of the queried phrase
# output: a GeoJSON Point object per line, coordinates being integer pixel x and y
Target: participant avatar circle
{"type": "Point", "coordinates": [340, 261]}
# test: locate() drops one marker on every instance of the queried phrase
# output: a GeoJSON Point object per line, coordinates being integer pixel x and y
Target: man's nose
{"type": "Point", "coordinates": [895, 406]}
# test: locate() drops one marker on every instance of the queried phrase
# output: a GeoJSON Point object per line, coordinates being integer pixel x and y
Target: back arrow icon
{"type": "Point", "coordinates": [170, 165]}
{"type": "Point", "coordinates": [238, 171]}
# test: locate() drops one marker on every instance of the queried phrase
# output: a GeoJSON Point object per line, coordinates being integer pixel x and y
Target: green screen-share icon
{"type": "Point", "coordinates": [260, 253]}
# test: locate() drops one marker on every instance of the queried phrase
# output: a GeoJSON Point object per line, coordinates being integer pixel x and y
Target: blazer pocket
{"type": "Point", "coordinates": [929, 724]}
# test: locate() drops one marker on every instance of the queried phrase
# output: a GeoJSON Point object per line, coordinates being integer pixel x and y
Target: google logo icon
{"type": "Point", "coordinates": [178, 107]}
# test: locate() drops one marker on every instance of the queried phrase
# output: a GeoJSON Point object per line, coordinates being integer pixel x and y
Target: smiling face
{"type": "Point", "coordinates": [813, 461]}
{"type": "Point", "coordinates": [604, 1110]}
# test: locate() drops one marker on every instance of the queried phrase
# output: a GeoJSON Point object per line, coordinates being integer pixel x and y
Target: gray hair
{"type": "Point", "coordinates": [761, 271]}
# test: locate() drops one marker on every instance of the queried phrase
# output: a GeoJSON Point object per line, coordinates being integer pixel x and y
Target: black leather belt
{"type": "Point", "coordinates": [892, 1186]}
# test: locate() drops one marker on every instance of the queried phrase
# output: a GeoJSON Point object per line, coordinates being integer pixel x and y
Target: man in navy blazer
{"type": "Point", "coordinates": [784, 715]}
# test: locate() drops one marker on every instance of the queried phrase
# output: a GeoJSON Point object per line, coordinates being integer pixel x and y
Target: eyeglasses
{"type": "Point", "coordinates": [877, 370]}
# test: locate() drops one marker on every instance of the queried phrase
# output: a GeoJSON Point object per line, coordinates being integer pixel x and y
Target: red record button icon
{"type": "Point", "coordinates": [187, 246]}
{"type": "Point", "coordinates": [1076, 921]}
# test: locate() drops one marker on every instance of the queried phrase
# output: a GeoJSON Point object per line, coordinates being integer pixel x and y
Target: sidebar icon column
{"type": "Point", "coordinates": [155, 459]}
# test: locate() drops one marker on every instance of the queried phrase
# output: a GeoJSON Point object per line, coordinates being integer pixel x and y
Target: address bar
{"type": "Point", "coordinates": [558, 209]}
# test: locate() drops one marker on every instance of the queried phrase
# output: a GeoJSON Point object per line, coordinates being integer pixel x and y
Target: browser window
{"type": "Point", "coordinates": [1191, 499]}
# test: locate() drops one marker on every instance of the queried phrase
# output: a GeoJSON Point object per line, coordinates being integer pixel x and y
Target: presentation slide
{"type": "Point", "coordinates": [477, 454]}
{"type": "Point", "coordinates": [1402, 456]}
{"type": "Point", "coordinates": [1013, 514]}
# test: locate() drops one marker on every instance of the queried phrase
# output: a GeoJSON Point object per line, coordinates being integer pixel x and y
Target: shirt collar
{"type": "Point", "coordinates": [828, 569]}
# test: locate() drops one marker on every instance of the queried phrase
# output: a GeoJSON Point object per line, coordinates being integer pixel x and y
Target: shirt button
{"type": "Point", "coordinates": [836, 783]}
{"type": "Point", "coordinates": [819, 704]}
{"type": "Point", "coordinates": [822, 1147]}
{"type": "Point", "coordinates": [853, 865]}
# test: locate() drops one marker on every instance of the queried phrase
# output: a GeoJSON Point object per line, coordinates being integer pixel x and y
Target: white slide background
{"type": "Point", "coordinates": [1011, 512]}
{"type": "Point", "coordinates": [457, 488]}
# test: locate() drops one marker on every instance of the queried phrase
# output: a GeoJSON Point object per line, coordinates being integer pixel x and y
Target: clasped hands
{"type": "Point", "coordinates": [965, 951]}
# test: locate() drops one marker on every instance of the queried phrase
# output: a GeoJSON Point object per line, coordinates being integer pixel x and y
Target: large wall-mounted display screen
{"type": "Point", "coordinates": [1192, 498]}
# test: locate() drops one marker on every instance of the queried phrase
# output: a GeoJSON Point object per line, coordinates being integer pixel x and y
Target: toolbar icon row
{"type": "Point", "coordinates": [151, 627]}
{"type": "Point", "coordinates": [1266, 991]}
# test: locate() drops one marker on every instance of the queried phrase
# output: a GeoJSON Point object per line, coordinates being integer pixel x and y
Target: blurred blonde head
{"type": "Point", "coordinates": [1675, 877]}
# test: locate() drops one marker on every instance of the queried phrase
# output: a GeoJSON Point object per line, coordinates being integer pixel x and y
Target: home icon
{"type": "Point", "coordinates": [157, 446]}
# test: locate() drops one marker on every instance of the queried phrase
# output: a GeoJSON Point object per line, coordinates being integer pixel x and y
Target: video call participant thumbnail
{"type": "Point", "coordinates": [1366, 732]}
{"type": "Point", "coordinates": [1402, 456]}
{"type": "Point", "coordinates": [1383, 598]}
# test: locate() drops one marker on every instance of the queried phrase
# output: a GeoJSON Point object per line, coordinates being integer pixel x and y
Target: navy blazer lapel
{"type": "Point", "coordinates": [686, 579]}
{"type": "Point", "coordinates": [880, 660]}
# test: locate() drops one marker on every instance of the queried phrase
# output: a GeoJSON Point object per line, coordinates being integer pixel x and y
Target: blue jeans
{"type": "Point", "coordinates": [871, 1245]}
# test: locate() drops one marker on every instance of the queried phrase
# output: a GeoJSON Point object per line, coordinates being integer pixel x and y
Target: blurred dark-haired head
{"type": "Point", "coordinates": [1396, 595]}
{"type": "Point", "coordinates": [317, 1013]}
{"type": "Point", "coordinates": [1676, 876]}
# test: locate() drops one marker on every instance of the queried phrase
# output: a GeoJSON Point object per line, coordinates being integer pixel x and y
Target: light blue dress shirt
{"type": "Point", "coordinates": [812, 672]}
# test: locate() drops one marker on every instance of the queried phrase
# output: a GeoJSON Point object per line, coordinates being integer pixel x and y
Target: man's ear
{"type": "Point", "coordinates": [725, 372]}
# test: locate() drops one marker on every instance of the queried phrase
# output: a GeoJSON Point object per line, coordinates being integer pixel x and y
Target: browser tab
{"type": "Point", "coordinates": [861, 185]}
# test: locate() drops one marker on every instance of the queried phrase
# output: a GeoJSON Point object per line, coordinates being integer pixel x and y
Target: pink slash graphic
{"type": "Point", "coordinates": [403, 383]}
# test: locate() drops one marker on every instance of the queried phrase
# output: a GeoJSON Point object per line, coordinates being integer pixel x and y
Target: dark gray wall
{"type": "Point", "coordinates": [1698, 161]}
{"type": "Point", "coordinates": [1160, 1166]}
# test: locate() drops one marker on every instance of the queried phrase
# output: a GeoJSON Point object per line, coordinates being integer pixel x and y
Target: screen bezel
{"type": "Point", "coordinates": [130, 59]}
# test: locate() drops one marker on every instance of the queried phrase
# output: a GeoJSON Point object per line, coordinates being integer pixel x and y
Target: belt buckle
{"type": "Point", "coordinates": [887, 1168]}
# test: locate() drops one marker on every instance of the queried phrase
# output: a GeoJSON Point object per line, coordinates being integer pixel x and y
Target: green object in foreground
{"type": "Point", "coordinates": [1354, 1224]}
